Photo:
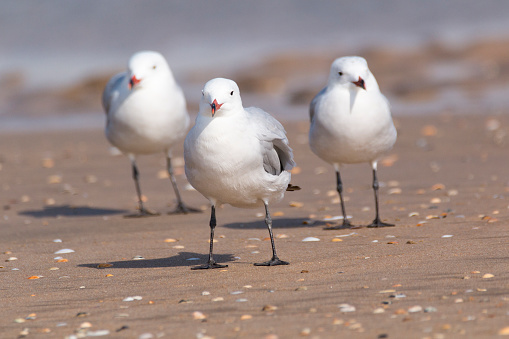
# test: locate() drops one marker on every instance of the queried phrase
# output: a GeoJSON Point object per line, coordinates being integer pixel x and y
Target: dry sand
{"type": "Point", "coordinates": [442, 272]}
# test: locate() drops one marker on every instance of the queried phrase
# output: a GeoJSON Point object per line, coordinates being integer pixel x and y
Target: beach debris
{"type": "Point", "coordinates": [11, 259]}
{"type": "Point", "coordinates": [296, 204]}
{"type": "Point", "coordinates": [346, 235]}
{"type": "Point", "coordinates": [197, 315]}
{"type": "Point", "coordinates": [447, 236]}
{"type": "Point", "coordinates": [35, 277]}
{"type": "Point", "coordinates": [218, 299]}
{"type": "Point", "coordinates": [415, 309]}
{"type": "Point", "coordinates": [269, 308]}
{"type": "Point", "coordinates": [246, 317]}
{"type": "Point", "coordinates": [310, 239]}
{"type": "Point", "coordinates": [236, 292]}
{"type": "Point", "coordinates": [64, 251]}
{"type": "Point", "coordinates": [48, 163]}
{"type": "Point", "coordinates": [504, 331]}
{"type": "Point", "coordinates": [138, 257]}
{"type": "Point", "coordinates": [54, 179]}
{"type": "Point", "coordinates": [57, 240]}
{"type": "Point", "coordinates": [205, 293]}
{"type": "Point", "coordinates": [104, 265]}
{"type": "Point", "coordinates": [305, 332]}
{"type": "Point", "coordinates": [488, 276]}
{"type": "Point", "coordinates": [136, 297]}
{"type": "Point", "coordinates": [395, 190]}
{"type": "Point", "coordinates": [241, 300]}
{"type": "Point", "coordinates": [430, 309]}
{"type": "Point", "coordinates": [429, 131]}
{"type": "Point", "coordinates": [170, 240]}
{"type": "Point", "coordinates": [90, 179]}
{"type": "Point", "coordinates": [337, 239]}
{"type": "Point", "coordinates": [346, 308]}
{"type": "Point", "coordinates": [378, 310]}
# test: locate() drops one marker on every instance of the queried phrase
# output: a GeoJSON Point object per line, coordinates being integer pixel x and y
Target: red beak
{"type": "Point", "coordinates": [133, 81]}
{"type": "Point", "coordinates": [215, 106]}
{"type": "Point", "coordinates": [360, 83]}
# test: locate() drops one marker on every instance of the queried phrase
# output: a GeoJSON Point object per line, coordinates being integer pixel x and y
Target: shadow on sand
{"type": "Point", "coordinates": [70, 211]}
{"type": "Point", "coordinates": [179, 260]}
{"type": "Point", "coordinates": [276, 224]}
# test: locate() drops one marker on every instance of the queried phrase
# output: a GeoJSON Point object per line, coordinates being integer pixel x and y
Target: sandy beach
{"type": "Point", "coordinates": [440, 273]}
{"type": "Point", "coordinates": [71, 265]}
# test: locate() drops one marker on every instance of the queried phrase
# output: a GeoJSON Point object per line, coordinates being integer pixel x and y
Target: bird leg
{"type": "Point", "coordinates": [181, 207]}
{"type": "Point", "coordinates": [275, 260]}
{"type": "Point", "coordinates": [377, 222]}
{"type": "Point", "coordinates": [346, 222]}
{"type": "Point", "coordinates": [211, 263]}
{"type": "Point", "coordinates": [143, 212]}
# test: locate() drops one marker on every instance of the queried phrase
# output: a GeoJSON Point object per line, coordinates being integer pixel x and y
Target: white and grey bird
{"type": "Point", "coordinates": [238, 156]}
{"type": "Point", "coordinates": [351, 123]}
{"type": "Point", "coordinates": [146, 114]}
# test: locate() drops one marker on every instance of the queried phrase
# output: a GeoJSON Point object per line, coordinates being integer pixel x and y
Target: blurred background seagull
{"type": "Point", "coordinates": [351, 123]}
{"type": "Point", "coordinates": [146, 113]}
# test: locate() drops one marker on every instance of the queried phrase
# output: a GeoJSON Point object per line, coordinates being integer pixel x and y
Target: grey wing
{"type": "Point", "coordinates": [314, 104]}
{"type": "Point", "coordinates": [112, 90]}
{"type": "Point", "coordinates": [278, 155]}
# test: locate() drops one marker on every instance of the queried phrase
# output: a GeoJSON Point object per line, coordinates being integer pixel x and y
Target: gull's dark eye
{"type": "Point", "coordinates": [231, 93]}
{"type": "Point", "coordinates": [340, 73]}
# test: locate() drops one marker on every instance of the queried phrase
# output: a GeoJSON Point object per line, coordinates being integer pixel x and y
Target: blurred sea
{"type": "Point", "coordinates": [53, 44]}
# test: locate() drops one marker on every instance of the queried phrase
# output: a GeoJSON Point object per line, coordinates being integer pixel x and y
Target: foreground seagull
{"type": "Point", "coordinates": [351, 123]}
{"type": "Point", "coordinates": [146, 113]}
{"type": "Point", "coordinates": [237, 156]}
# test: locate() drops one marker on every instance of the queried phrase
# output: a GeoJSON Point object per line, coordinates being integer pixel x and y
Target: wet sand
{"type": "Point", "coordinates": [440, 273]}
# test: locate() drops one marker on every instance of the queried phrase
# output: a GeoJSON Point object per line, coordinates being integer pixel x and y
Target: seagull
{"type": "Point", "coordinates": [351, 123]}
{"type": "Point", "coordinates": [238, 156]}
{"type": "Point", "coordinates": [146, 114]}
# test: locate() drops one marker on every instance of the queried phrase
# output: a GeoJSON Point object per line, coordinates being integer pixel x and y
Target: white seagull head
{"type": "Point", "coordinates": [351, 72]}
{"type": "Point", "coordinates": [145, 67]}
{"type": "Point", "coordinates": [220, 97]}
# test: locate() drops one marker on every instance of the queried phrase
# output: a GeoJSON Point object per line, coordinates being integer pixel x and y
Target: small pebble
{"type": "Point", "coordinates": [138, 257]}
{"type": "Point", "coordinates": [197, 315]}
{"type": "Point", "coordinates": [269, 308]}
{"type": "Point", "coordinates": [487, 276]}
{"type": "Point", "coordinates": [132, 298]}
{"type": "Point", "coordinates": [415, 309]}
{"type": "Point", "coordinates": [310, 239]}
{"type": "Point", "coordinates": [447, 236]}
{"type": "Point", "coordinates": [218, 299]}
{"type": "Point", "coordinates": [205, 293]}
{"type": "Point", "coordinates": [246, 317]}
{"type": "Point", "coordinates": [504, 331]}
{"type": "Point", "coordinates": [241, 300]}
{"type": "Point", "coordinates": [98, 333]}
{"type": "Point", "coordinates": [64, 251]}
{"type": "Point", "coordinates": [346, 308]}
{"type": "Point", "coordinates": [430, 309]}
